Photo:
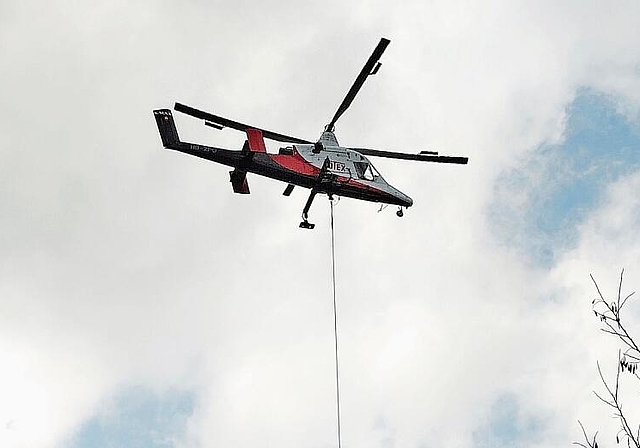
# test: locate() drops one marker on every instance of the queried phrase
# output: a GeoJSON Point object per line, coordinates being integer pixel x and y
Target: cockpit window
{"type": "Point", "coordinates": [365, 170]}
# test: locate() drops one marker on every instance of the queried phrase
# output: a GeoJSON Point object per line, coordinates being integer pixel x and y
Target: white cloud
{"type": "Point", "coordinates": [123, 263]}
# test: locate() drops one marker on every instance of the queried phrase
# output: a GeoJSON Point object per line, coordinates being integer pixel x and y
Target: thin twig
{"type": "Point", "coordinates": [589, 444]}
{"type": "Point", "coordinates": [620, 287]}
{"type": "Point", "coordinates": [627, 298]}
{"type": "Point", "coordinates": [627, 360]}
{"type": "Point", "coordinates": [597, 288]}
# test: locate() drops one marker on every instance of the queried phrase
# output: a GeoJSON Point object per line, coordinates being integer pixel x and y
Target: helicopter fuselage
{"type": "Point", "coordinates": [346, 172]}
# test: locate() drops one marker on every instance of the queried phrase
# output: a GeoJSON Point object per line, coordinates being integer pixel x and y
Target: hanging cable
{"type": "Point", "coordinates": [335, 318]}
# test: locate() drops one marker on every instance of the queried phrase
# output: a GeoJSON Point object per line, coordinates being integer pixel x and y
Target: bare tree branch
{"type": "Point", "coordinates": [628, 360]}
{"type": "Point", "coordinates": [590, 443]}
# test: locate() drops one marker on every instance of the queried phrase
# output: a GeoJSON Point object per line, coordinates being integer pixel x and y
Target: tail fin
{"type": "Point", "coordinates": [256, 141]}
{"type": "Point", "coordinates": [167, 128]}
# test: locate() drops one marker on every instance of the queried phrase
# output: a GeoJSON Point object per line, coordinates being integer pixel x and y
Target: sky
{"type": "Point", "coordinates": [146, 305]}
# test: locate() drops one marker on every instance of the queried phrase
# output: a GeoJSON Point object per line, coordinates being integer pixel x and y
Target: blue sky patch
{"type": "Point", "coordinates": [540, 203]}
{"type": "Point", "coordinates": [507, 426]}
{"type": "Point", "coordinates": [138, 418]}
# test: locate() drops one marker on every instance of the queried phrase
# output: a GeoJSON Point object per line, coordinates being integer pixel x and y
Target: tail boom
{"type": "Point", "coordinates": [171, 140]}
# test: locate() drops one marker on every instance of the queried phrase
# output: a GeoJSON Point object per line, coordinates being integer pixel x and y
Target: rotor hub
{"type": "Point", "coordinates": [328, 138]}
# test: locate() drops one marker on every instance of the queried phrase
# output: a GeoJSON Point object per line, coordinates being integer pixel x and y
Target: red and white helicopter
{"type": "Point", "coordinates": [323, 166]}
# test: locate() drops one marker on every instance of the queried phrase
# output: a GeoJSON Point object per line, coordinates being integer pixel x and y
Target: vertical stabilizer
{"type": "Point", "coordinates": [167, 128]}
{"type": "Point", "coordinates": [256, 141]}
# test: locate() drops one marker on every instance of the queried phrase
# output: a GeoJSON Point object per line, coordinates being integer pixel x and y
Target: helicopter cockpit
{"type": "Point", "coordinates": [366, 170]}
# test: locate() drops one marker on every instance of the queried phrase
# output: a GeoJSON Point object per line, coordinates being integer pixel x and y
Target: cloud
{"type": "Point", "coordinates": [539, 205]}
{"type": "Point", "coordinates": [125, 264]}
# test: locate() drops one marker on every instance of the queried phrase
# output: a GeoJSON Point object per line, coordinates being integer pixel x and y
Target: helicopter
{"type": "Point", "coordinates": [324, 166]}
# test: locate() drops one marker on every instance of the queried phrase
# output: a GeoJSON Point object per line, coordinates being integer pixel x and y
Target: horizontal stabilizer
{"type": "Point", "coordinates": [239, 181]}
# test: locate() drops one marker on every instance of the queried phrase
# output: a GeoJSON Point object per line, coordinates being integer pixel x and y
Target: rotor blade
{"type": "Point", "coordinates": [211, 119]}
{"type": "Point", "coordinates": [404, 156]}
{"type": "Point", "coordinates": [369, 69]}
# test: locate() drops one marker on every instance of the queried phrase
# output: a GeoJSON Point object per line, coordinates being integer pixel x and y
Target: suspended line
{"type": "Point", "coordinates": [335, 318]}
